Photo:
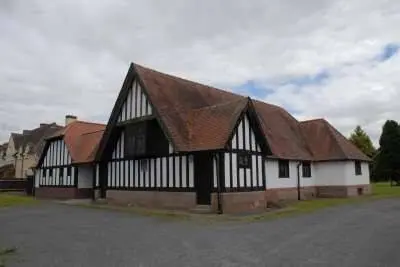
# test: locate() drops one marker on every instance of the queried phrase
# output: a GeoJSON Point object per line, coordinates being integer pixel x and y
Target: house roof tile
{"type": "Point", "coordinates": [327, 143]}
{"type": "Point", "coordinates": [201, 117]}
{"type": "Point", "coordinates": [82, 139]}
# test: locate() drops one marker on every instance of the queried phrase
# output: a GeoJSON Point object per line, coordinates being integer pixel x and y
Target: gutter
{"type": "Point", "coordinates": [298, 181]}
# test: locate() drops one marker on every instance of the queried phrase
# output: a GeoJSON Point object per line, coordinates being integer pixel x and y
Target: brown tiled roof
{"type": "Point", "coordinates": [327, 143]}
{"type": "Point", "coordinates": [210, 127]}
{"type": "Point", "coordinates": [81, 139]}
{"type": "Point", "coordinates": [33, 141]}
{"type": "Point", "coordinates": [88, 144]}
{"type": "Point", "coordinates": [176, 99]}
{"type": "Point", "coordinates": [282, 131]}
{"type": "Point", "coordinates": [200, 117]}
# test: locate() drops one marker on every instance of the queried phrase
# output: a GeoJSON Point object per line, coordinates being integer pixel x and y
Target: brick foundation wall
{"type": "Point", "coordinates": [343, 191]}
{"type": "Point", "coordinates": [62, 192]}
{"type": "Point", "coordinates": [235, 202]}
{"type": "Point", "coordinates": [276, 194]}
{"type": "Point", "coordinates": [153, 199]}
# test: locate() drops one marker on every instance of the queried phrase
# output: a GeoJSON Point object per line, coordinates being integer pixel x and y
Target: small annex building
{"type": "Point", "coordinates": [66, 168]}
{"type": "Point", "coordinates": [174, 143]}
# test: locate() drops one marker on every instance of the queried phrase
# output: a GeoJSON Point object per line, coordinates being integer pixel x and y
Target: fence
{"type": "Point", "coordinates": [13, 184]}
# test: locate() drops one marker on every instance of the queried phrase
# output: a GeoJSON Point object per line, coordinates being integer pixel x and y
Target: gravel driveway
{"type": "Point", "coordinates": [58, 235]}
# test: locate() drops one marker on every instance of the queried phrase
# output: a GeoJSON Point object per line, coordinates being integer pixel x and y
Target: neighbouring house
{"type": "Point", "coordinates": [30, 147]}
{"type": "Point", "coordinates": [9, 150]}
{"type": "Point", "coordinates": [65, 169]}
{"type": "Point", "coordinates": [23, 149]}
{"type": "Point", "coordinates": [174, 143]}
{"type": "Point", "coordinates": [3, 151]}
{"type": "Point", "coordinates": [7, 172]}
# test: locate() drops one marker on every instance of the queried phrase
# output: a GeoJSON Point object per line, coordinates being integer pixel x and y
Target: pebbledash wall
{"type": "Point", "coordinates": [58, 177]}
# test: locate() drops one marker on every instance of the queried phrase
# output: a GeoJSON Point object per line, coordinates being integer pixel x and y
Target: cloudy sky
{"type": "Point", "coordinates": [334, 59]}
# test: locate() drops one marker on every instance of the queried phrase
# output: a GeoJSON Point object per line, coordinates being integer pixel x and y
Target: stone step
{"type": "Point", "coordinates": [203, 209]}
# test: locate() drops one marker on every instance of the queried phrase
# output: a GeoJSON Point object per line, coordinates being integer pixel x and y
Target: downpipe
{"type": "Point", "coordinates": [219, 204]}
{"type": "Point", "coordinates": [298, 181]}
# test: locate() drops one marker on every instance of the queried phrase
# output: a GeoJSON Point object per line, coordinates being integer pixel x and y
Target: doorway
{"type": "Point", "coordinates": [203, 173]}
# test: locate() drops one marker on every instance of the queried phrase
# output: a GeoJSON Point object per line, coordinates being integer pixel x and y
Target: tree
{"type": "Point", "coordinates": [387, 161]}
{"type": "Point", "coordinates": [361, 140]}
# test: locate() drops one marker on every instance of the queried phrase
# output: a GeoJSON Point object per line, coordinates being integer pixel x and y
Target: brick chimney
{"type": "Point", "coordinates": [69, 119]}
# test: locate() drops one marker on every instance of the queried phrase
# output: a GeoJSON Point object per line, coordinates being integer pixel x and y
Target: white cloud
{"type": "Point", "coordinates": [63, 57]}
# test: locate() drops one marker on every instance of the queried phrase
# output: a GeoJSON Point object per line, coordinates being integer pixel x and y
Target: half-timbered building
{"type": "Point", "coordinates": [174, 143]}
{"type": "Point", "coordinates": [66, 168]}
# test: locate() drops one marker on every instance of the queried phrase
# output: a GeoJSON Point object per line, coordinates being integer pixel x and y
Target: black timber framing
{"type": "Point", "coordinates": [255, 125]}
{"type": "Point", "coordinates": [113, 121]}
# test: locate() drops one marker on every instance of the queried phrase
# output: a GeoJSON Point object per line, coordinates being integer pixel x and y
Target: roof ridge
{"type": "Point", "coordinates": [93, 132]}
{"type": "Point", "coordinates": [312, 120]}
{"type": "Point", "coordinates": [86, 122]}
{"type": "Point", "coordinates": [185, 79]}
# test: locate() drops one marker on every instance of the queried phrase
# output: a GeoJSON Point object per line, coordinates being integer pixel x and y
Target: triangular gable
{"type": "Point", "coordinates": [244, 137]}
{"type": "Point", "coordinates": [136, 104]}
{"type": "Point", "coordinates": [132, 86]}
{"type": "Point", "coordinates": [55, 153]}
{"type": "Point", "coordinates": [247, 134]}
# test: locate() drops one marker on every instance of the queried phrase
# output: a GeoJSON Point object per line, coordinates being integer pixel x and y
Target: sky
{"type": "Point", "coordinates": [338, 60]}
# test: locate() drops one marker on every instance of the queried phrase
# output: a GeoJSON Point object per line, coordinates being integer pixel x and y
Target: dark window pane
{"type": "Point", "coordinates": [306, 169]}
{"type": "Point", "coordinates": [284, 169]}
{"type": "Point", "coordinates": [244, 160]}
{"type": "Point", "coordinates": [357, 166]}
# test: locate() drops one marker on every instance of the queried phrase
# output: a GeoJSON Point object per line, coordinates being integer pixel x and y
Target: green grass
{"type": "Point", "coordinates": [384, 190]}
{"type": "Point", "coordinates": [379, 191]}
{"type": "Point", "coordinates": [10, 199]}
{"type": "Point", "coordinates": [5, 252]}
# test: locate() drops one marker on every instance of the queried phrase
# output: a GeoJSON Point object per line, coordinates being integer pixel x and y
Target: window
{"type": "Point", "coordinates": [135, 139]}
{"type": "Point", "coordinates": [43, 172]}
{"type": "Point", "coordinates": [50, 172]}
{"type": "Point", "coordinates": [284, 169]}
{"type": "Point", "coordinates": [306, 169]}
{"type": "Point", "coordinates": [357, 166]}
{"type": "Point", "coordinates": [61, 172]}
{"type": "Point", "coordinates": [244, 160]}
{"type": "Point", "coordinates": [69, 171]}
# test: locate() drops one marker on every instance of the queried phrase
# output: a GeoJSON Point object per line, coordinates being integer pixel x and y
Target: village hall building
{"type": "Point", "coordinates": [175, 143]}
{"type": "Point", "coordinates": [66, 168]}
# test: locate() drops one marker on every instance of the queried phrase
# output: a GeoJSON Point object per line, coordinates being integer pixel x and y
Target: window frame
{"type": "Point", "coordinates": [357, 167]}
{"type": "Point", "coordinates": [283, 165]}
{"type": "Point", "coordinates": [242, 164]}
{"type": "Point", "coordinates": [306, 169]}
{"type": "Point", "coordinates": [135, 140]}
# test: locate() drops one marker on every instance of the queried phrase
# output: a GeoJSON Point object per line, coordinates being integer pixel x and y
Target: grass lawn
{"type": "Point", "coordinates": [10, 199]}
{"type": "Point", "coordinates": [379, 191]}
